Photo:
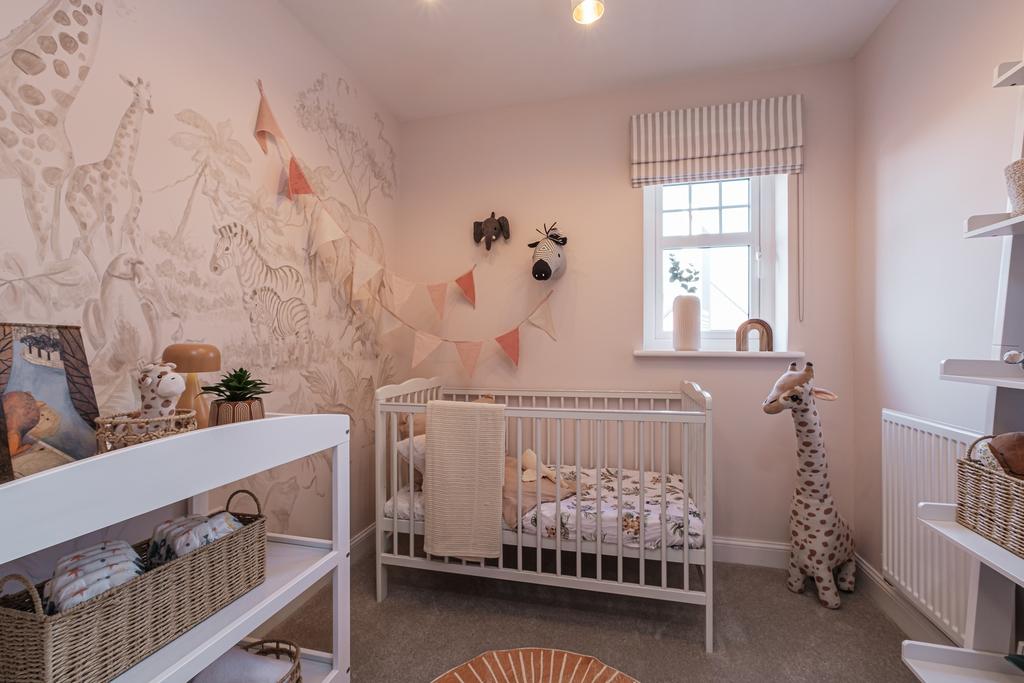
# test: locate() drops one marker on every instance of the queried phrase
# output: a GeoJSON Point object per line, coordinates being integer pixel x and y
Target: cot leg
{"type": "Point", "coordinates": [709, 626]}
{"type": "Point", "coordinates": [382, 580]}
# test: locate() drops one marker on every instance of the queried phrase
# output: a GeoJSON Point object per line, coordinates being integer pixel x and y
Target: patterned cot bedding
{"type": "Point", "coordinates": [677, 507]}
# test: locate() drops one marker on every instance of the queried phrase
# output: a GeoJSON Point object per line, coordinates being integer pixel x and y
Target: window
{"type": "Point", "coordinates": [721, 235]}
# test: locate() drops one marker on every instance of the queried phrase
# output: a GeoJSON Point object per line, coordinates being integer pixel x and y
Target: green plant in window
{"type": "Point", "coordinates": [687, 277]}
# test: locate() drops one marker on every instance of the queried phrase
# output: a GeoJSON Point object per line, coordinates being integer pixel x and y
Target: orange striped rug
{"type": "Point", "coordinates": [534, 665]}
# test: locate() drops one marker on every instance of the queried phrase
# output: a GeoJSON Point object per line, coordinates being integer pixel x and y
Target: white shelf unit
{"type": "Point", "coordinates": [994, 225]}
{"type": "Point", "coordinates": [63, 503]}
{"type": "Point", "coordinates": [995, 573]}
{"type": "Point", "coordinates": [1008, 74]}
{"type": "Point", "coordinates": [993, 373]}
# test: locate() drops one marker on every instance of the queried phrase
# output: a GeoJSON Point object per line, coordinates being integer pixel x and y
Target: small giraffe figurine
{"type": "Point", "coordinates": [821, 539]}
{"type": "Point", "coordinates": [105, 192]}
{"type": "Point", "coordinates": [159, 387]}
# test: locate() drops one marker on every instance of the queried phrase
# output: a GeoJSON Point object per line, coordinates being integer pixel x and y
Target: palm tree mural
{"type": "Point", "coordinates": [217, 156]}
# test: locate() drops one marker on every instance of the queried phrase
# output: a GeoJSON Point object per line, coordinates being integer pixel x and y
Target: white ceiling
{"type": "Point", "coordinates": [433, 57]}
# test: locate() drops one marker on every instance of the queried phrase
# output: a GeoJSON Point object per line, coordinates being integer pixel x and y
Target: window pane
{"type": "Point", "coordinates": [736, 220]}
{"type": "Point", "coordinates": [736, 192]}
{"type": "Point", "coordinates": [722, 283]}
{"type": "Point", "coordinates": [704, 195]}
{"type": "Point", "coordinates": [675, 197]}
{"type": "Point", "coordinates": [705, 222]}
{"type": "Point", "coordinates": [675, 223]}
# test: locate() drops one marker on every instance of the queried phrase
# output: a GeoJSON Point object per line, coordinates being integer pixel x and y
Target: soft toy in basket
{"type": "Point", "coordinates": [990, 490]}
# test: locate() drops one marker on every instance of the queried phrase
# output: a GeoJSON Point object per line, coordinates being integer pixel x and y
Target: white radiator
{"type": "Point", "coordinates": [919, 464]}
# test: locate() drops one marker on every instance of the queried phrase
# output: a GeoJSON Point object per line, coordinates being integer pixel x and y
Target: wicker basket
{"type": "Point", "coordinates": [120, 430]}
{"type": "Point", "coordinates": [990, 502]}
{"type": "Point", "coordinates": [280, 649]}
{"type": "Point", "coordinates": [100, 638]}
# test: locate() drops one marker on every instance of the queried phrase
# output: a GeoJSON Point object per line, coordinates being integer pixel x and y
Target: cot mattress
{"type": "Point", "coordinates": [602, 485]}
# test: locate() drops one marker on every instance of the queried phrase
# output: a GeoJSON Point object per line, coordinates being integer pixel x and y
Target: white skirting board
{"type": "Point", "coordinates": [902, 612]}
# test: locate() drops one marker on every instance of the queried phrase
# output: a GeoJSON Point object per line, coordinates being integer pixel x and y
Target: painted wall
{"type": "Point", "coordinates": [167, 154]}
{"type": "Point", "coordinates": [933, 138]}
{"type": "Point", "coordinates": [568, 160]}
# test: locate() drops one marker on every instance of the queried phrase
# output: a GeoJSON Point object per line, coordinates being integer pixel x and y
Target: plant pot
{"type": "Point", "coordinates": [1015, 187]}
{"type": "Point", "coordinates": [225, 412]}
{"type": "Point", "coordinates": [686, 322]}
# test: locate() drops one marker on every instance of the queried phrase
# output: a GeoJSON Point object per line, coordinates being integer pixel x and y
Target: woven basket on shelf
{"type": "Point", "coordinates": [108, 634]}
{"type": "Point", "coordinates": [122, 429]}
{"type": "Point", "coordinates": [990, 502]}
{"type": "Point", "coordinates": [280, 649]}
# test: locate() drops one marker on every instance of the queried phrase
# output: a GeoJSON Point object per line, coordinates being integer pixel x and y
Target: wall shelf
{"type": "Point", "coordinates": [941, 518]}
{"type": "Point", "coordinates": [945, 664]}
{"type": "Point", "coordinates": [1008, 74]}
{"type": "Point", "coordinates": [993, 373]}
{"type": "Point", "coordinates": [993, 225]}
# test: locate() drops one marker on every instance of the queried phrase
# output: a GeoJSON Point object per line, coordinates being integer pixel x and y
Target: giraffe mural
{"type": "Point", "coordinates": [105, 192]}
{"type": "Point", "coordinates": [821, 542]}
{"type": "Point", "coordinates": [43, 64]}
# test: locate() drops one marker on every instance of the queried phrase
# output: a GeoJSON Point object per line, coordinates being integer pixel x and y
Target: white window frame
{"type": "Point", "coordinates": [760, 239]}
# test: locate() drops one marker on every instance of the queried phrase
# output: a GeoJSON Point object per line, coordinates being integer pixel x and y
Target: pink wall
{"type": "Point", "coordinates": [567, 160]}
{"type": "Point", "coordinates": [932, 140]}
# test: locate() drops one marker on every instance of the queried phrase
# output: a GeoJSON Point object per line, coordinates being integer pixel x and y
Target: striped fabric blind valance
{"type": "Point", "coordinates": [756, 137]}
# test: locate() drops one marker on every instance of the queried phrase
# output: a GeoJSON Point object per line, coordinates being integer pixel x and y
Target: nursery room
{"type": "Point", "coordinates": [469, 341]}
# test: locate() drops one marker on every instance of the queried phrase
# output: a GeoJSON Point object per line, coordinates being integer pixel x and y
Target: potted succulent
{"type": "Point", "coordinates": [238, 398]}
{"type": "Point", "coordinates": [685, 307]}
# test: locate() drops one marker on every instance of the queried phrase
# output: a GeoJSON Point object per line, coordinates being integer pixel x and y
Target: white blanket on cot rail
{"type": "Point", "coordinates": [677, 510]}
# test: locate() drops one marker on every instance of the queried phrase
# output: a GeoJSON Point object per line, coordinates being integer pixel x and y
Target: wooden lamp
{"type": "Point", "coordinates": [190, 359]}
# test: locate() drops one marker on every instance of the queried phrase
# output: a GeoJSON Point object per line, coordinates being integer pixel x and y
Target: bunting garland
{"type": "Point", "coordinates": [324, 230]}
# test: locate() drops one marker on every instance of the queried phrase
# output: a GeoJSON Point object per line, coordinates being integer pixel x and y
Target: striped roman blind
{"type": "Point", "coordinates": [756, 137]}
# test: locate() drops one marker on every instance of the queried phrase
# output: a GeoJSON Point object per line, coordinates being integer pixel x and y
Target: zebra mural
{"type": "Point", "coordinates": [548, 259]}
{"type": "Point", "coordinates": [286, 321]}
{"type": "Point", "coordinates": [235, 247]}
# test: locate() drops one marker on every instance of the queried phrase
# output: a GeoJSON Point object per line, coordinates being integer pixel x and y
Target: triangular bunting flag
{"type": "Point", "coordinates": [509, 343]}
{"type": "Point", "coordinates": [363, 269]}
{"type": "Point", "coordinates": [542, 319]}
{"type": "Point", "coordinates": [297, 183]}
{"type": "Point", "coordinates": [401, 290]}
{"type": "Point", "coordinates": [324, 230]}
{"type": "Point", "coordinates": [438, 293]}
{"type": "Point", "coordinates": [389, 323]}
{"type": "Point", "coordinates": [469, 352]}
{"type": "Point", "coordinates": [468, 287]}
{"type": "Point", "coordinates": [266, 124]}
{"type": "Point", "coordinates": [423, 345]}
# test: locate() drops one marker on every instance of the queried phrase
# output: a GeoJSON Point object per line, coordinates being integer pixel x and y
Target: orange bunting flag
{"type": "Point", "coordinates": [266, 124]}
{"type": "Point", "coordinates": [541, 319]}
{"type": "Point", "coordinates": [468, 287]}
{"type": "Point", "coordinates": [509, 343]}
{"type": "Point", "coordinates": [438, 293]}
{"type": "Point", "coordinates": [423, 345]}
{"type": "Point", "coordinates": [297, 183]}
{"type": "Point", "coordinates": [469, 352]}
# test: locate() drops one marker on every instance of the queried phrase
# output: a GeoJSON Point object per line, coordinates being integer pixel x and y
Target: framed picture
{"type": "Point", "coordinates": [47, 402]}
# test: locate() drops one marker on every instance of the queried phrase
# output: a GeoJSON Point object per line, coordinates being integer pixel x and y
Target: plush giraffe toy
{"type": "Point", "coordinates": [159, 388]}
{"type": "Point", "coordinates": [821, 540]}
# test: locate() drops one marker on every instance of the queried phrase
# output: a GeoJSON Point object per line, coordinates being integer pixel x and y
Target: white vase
{"type": "Point", "coordinates": [686, 323]}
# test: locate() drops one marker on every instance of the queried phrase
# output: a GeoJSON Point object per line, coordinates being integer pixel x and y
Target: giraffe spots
{"type": "Point", "coordinates": [22, 122]}
{"type": "Point", "coordinates": [52, 176]}
{"type": "Point", "coordinates": [31, 95]}
{"type": "Point", "coordinates": [46, 117]}
{"type": "Point", "coordinates": [28, 62]}
{"type": "Point", "coordinates": [79, 18]}
{"type": "Point", "coordinates": [75, 3]}
{"type": "Point", "coordinates": [83, 37]}
{"type": "Point", "coordinates": [99, 8]}
{"type": "Point", "coordinates": [47, 44]}
{"type": "Point", "coordinates": [68, 42]}
{"type": "Point", "coordinates": [61, 68]}
{"type": "Point", "coordinates": [63, 99]}
{"type": "Point", "coordinates": [46, 143]}
{"type": "Point", "coordinates": [83, 71]}
{"type": "Point", "coordinates": [62, 18]}
{"type": "Point", "coordinates": [8, 137]}
{"type": "Point", "coordinates": [87, 10]}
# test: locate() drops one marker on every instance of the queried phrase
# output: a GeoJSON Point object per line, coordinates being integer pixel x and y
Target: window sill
{"type": "Point", "coordinates": [766, 355]}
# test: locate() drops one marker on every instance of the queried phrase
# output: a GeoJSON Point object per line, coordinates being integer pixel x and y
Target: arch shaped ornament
{"type": "Point", "coordinates": [765, 335]}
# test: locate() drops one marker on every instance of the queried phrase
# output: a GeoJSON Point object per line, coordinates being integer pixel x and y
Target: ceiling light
{"type": "Point", "coordinates": [586, 11]}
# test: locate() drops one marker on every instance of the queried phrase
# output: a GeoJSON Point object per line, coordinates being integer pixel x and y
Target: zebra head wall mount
{"type": "Point", "coordinates": [548, 257]}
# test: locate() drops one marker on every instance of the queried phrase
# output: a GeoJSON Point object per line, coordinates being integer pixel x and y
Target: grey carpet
{"type": "Point", "coordinates": [433, 622]}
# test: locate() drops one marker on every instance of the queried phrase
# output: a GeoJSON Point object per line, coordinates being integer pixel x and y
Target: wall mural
{"type": "Point", "coordinates": [230, 267]}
